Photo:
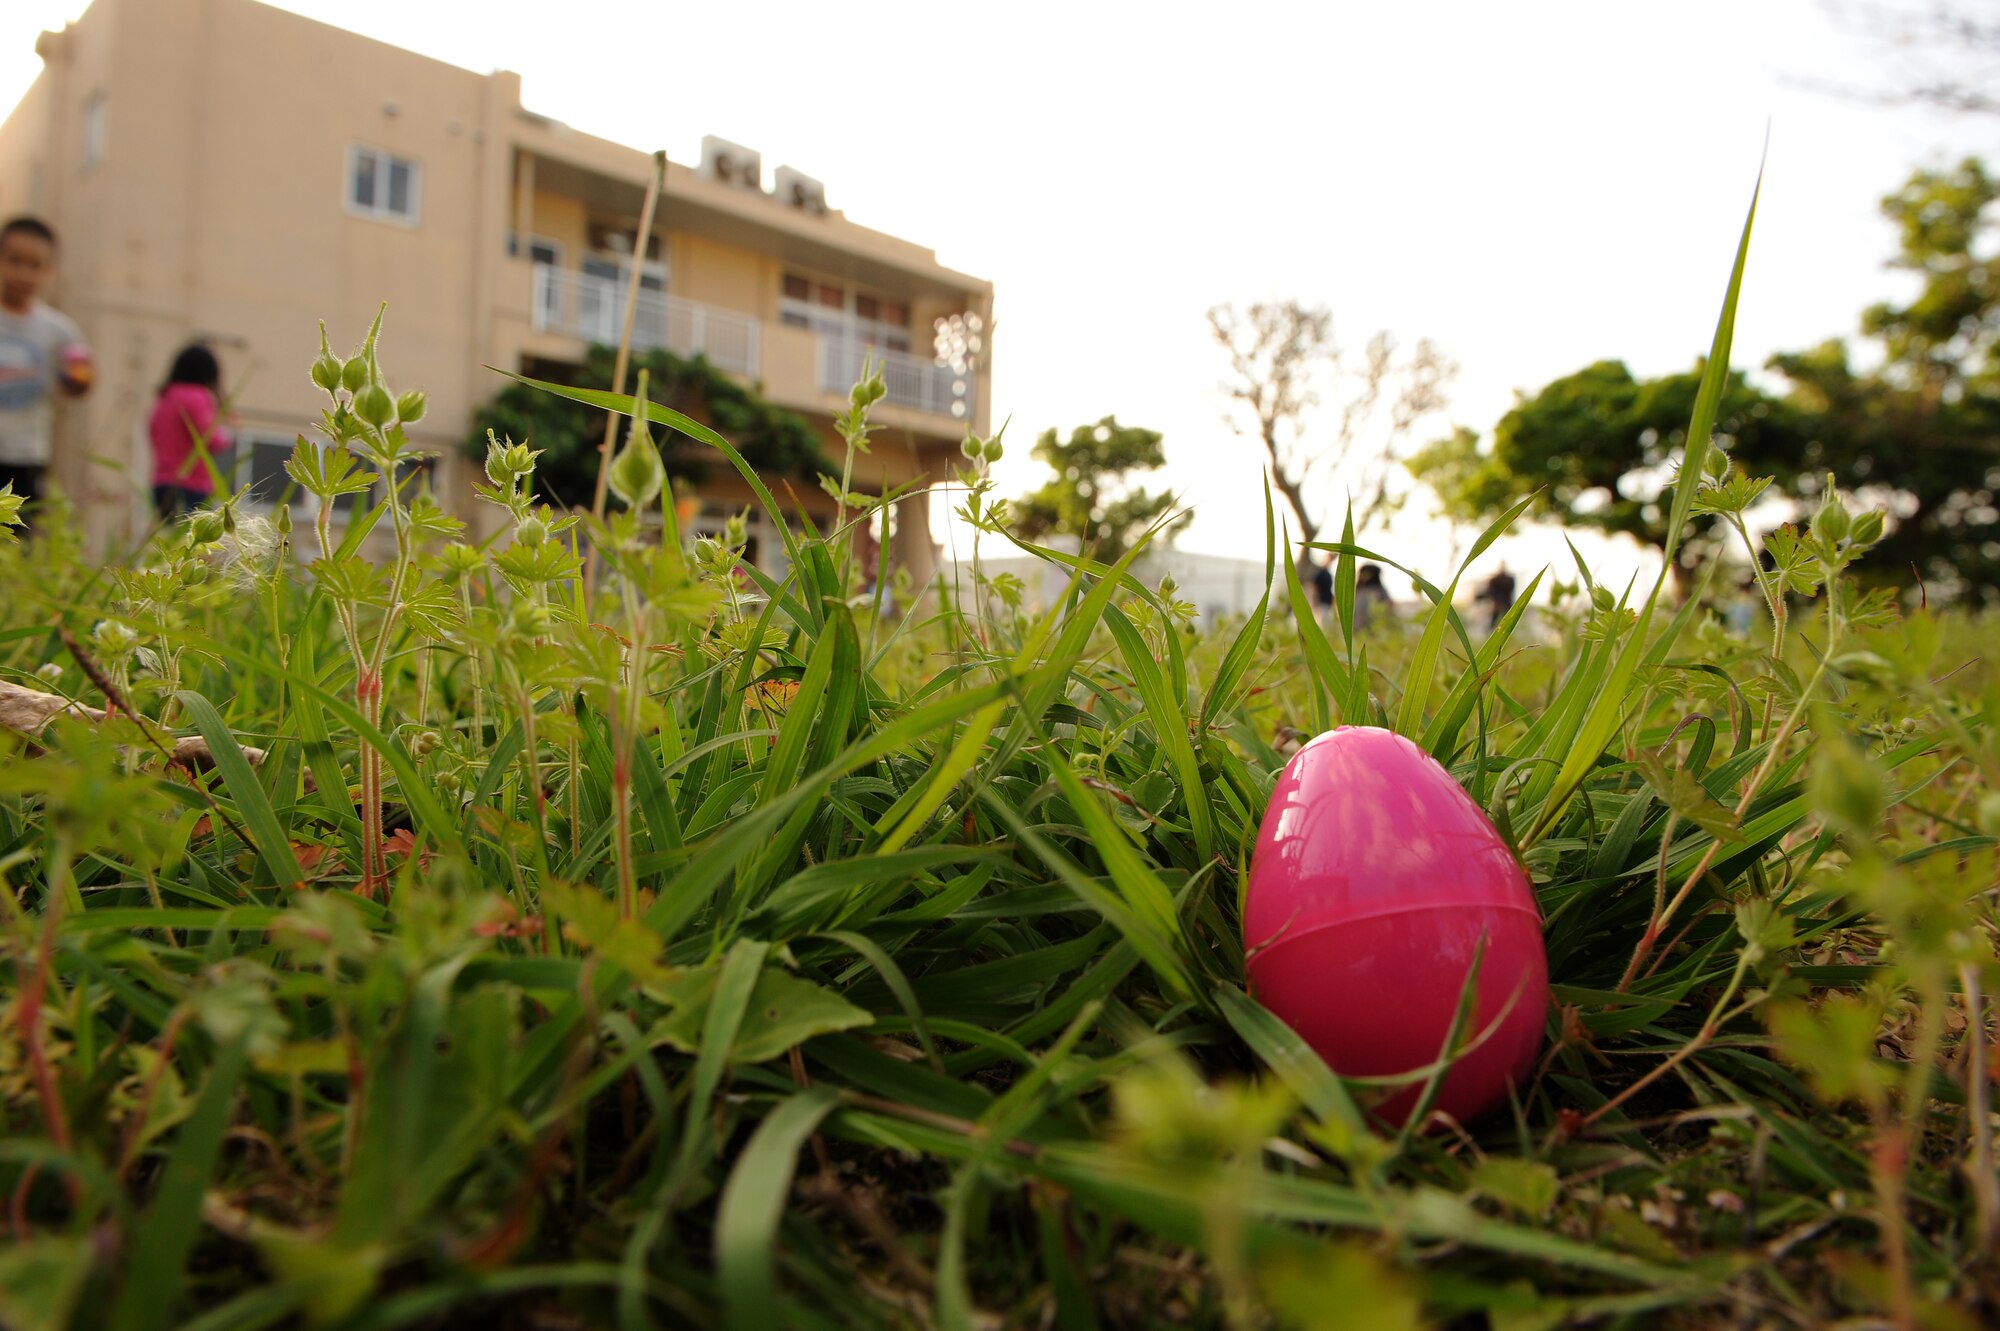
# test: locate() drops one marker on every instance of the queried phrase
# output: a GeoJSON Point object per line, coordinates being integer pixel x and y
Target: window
{"type": "Point", "coordinates": [93, 130]}
{"type": "Point", "coordinates": [841, 313]}
{"type": "Point", "coordinates": [263, 454]}
{"type": "Point", "coordinates": [550, 283]}
{"type": "Point", "coordinates": [266, 454]}
{"type": "Point", "coordinates": [382, 186]}
{"type": "Point", "coordinates": [617, 270]}
{"type": "Point", "coordinates": [541, 249]}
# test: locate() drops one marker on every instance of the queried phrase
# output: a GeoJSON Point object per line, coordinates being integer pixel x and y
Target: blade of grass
{"type": "Point", "coordinates": [1290, 1057]}
{"type": "Point", "coordinates": [154, 1280]}
{"type": "Point", "coordinates": [240, 779]}
{"type": "Point", "coordinates": [753, 1204]}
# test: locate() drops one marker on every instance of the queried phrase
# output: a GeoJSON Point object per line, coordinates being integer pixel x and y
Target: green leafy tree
{"type": "Point", "coordinates": [1918, 428]}
{"type": "Point", "coordinates": [1599, 447]}
{"type": "Point", "coordinates": [566, 434]}
{"type": "Point", "coordinates": [1921, 426]}
{"type": "Point", "coordinates": [1086, 496]}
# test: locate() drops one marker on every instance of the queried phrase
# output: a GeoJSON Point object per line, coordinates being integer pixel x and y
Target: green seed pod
{"type": "Point", "coordinates": [283, 520]}
{"type": "Point", "coordinates": [1716, 464]}
{"type": "Point", "coordinates": [326, 371]}
{"type": "Point", "coordinates": [531, 531]}
{"type": "Point", "coordinates": [973, 448]}
{"type": "Point", "coordinates": [374, 405]}
{"type": "Point", "coordinates": [636, 473]}
{"type": "Point", "coordinates": [354, 374]}
{"type": "Point", "coordinates": [410, 407]}
{"type": "Point", "coordinates": [205, 527]}
{"type": "Point", "coordinates": [993, 450]}
{"type": "Point", "coordinates": [1867, 529]}
{"type": "Point", "coordinates": [113, 639]}
{"type": "Point", "coordinates": [530, 620]}
{"type": "Point", "coordinates": [868, 392]}
{"type": "Point", "coordinates": [496, 460]}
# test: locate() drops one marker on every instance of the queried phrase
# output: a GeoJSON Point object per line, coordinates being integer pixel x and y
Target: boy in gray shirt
{"type": "Point", "coordinates": [41, 353]}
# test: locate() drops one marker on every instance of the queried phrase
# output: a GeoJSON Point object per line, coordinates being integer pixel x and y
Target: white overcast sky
{"type": "Point", "coordinates": [1534, 185]}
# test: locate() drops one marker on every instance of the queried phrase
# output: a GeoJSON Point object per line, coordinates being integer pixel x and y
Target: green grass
{"type": "Point", "coordinates": [661, 944]}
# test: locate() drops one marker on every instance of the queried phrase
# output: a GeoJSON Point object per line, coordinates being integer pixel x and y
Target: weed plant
{"type": "Point", "coordinates": [671, 944]}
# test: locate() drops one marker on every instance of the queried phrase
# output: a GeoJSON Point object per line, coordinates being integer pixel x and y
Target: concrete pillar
{"type": "Point", "coordinates": [912, 547]}
{"type": "Point", "coordinates": [524, 199]}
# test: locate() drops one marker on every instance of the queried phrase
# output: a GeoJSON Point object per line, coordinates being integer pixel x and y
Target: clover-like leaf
{"type": "Point", "coordinates": [1683, 792]}
{"type": "Point", "coordinates": [784, 1011]}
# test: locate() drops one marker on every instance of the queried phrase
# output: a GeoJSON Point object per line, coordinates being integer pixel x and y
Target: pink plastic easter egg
{"type": "Point", "coordinates": [1374, 877]}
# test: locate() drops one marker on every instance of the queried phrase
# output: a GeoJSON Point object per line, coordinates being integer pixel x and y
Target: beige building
{"type": "Point", "coordinates": [223, 170]}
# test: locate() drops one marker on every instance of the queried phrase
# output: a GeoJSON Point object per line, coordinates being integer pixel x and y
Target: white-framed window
{"type": "Point", "coordinates": [617, 269]}
{"type": "Point", "coordinates": [93, 130]}
{"type": "Point", "coordinates": [837, 310]}
{"type": "Point", "coordinates": [541, 249]}
{"type": "Point", "coordinates": [543, 253]}
{"type": "Point", "coordinates": [600, 299]}
{"type": "Point", "coordinates": [382, 185]}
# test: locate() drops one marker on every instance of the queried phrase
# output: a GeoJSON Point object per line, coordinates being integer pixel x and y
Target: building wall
{"type": "Point", "coordinates": [219, 212]}
{"type": "Point", "coordinates": [24, 142]}
{"type": "Point", "coordinates": [725, 275]}
{"type": "Point", "coordinates": [564, 220]}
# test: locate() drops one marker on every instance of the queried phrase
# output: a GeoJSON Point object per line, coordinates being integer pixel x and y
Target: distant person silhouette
{"type": "Point", "coordinates": [42, 354]}
{"type": "Point", "coordinates": [1370, 596]}
{"type": "Point", "coordinates": [1499, 594]}
{"type": "Point", "coordinates": [188, 433]}
{"type": "Point", "coordinates": [1323, 590]}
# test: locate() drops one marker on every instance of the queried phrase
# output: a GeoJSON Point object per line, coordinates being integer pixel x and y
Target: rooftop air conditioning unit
{"type": "Point", "coordinates": [798, 190]}
{"type": "Point", "coordinates": [731, 163]}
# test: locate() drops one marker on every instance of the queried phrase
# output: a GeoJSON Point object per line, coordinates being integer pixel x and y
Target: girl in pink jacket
{"type": "Point", "coordinates": [189, 438]}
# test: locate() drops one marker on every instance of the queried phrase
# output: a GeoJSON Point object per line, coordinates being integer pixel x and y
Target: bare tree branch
{"type": "Point", "coordinates": [1945, 54]}
{"type": "Point", "coordinates": [1283, 360]}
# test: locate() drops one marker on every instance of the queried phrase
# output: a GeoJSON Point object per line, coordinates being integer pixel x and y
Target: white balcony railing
{"type": "Point", "coordinates": [593, 308]}
{"type": "Point", "coordinates": [912, 381]}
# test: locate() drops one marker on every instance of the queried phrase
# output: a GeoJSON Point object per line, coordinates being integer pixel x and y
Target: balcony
{"type": "Point", "coordinates": [593, 308]}
{"type": "Point", "coordinates": [912, 381]}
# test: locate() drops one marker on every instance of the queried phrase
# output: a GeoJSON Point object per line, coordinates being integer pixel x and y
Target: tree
{"type": "Point", "coordinates": [1598, 448]}
{"type": "Point", "coordinates": [773, 440]}
{"type": "Point", "coordinates": [1921, 429]}
{"type": "Point", "coordinates": [1282, 360]}
{"type": "Point", "coordinates": [1086, 497]}
{"type": "Point", "coordinates": [1919, 432]}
